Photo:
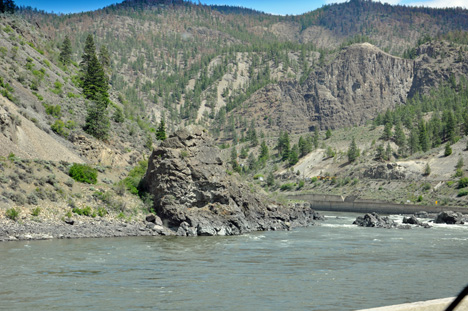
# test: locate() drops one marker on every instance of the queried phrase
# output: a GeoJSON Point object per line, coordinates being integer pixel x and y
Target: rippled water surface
{"type": "Point", "coordinates": [335, 266]}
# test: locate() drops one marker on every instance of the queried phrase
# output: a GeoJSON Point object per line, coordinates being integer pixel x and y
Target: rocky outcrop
{"type": "Point", "coordinates": [385, 171]}
{"type": "Point", "coordinates": [374, 220]}
{"type": "Point", "coordinates": [361, 82]}
{"type": "Point", "coordinates": [194, 195]}
{"type": "Point", "coordinates": [353, 88]}
{"type": "Point", "coordinates": [436, 63]}
{"type": "Point", "coordinates": [450, 218]}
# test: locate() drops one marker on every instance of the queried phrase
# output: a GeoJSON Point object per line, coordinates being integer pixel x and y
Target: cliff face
{"type": "Point", "coordinates": [194, 195]}
{"type": "Point", "coordinates": [361, 82]}
{"type": "Point", "coordinates": [353, 88]}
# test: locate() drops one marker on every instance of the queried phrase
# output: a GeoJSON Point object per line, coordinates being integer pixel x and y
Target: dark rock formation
{"type": "Point", "coordinates": [450, 218]}
{"type": "Point", "coordinates": [374, 220]}
{"type": "Point", "coordinates": [411, 220]}
{"type": "Point", "coordinates": [194, 195]}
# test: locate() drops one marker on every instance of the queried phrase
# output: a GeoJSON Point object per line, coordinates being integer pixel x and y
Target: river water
{"type": "Point", "coordinates": [335, 266]}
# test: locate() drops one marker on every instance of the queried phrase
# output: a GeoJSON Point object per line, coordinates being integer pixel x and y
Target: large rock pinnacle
{"type": "Point", "coordinates": [194, 195]}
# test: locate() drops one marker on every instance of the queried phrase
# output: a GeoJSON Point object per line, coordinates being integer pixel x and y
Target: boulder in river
{"type": "Point", "coordinates": [194, 195]}
{"type": "Point", "coordinates": [450, 218]}
{"type": "Point", "coordinates": [374, 220]}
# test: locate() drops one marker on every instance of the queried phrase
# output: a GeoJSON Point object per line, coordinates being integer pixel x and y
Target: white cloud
{"type": "Point", "coordinates": [427, 3]}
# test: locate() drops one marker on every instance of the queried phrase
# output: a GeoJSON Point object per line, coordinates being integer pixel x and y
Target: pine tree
{"type": "Point", "coordinates": [399, 136]}
{"type": "Point", "coordinates": [380, 155]}
{"type": "Point", "coordinates": [234, 163]}
{"type": "Point", "coordinates": [353, 151]}
{"type": "Point", "coordinates": [264, 153]}
{"type": "Point", "coordinates": [66, 52]}
{"type": "Point", "coordinates": [328, 134]}
{"type": "Point", "coordinates": [413, 142]}
{"type": "Point", "coordinates": [387, 133]}
{"type": "Point", "coordinates": [104, 58]}
{"type": "Point", "coordinates": [316, 138]}
{"type": "Point", "coordinates": [388, 152]}
{"type": "Point", "coordinates": [293, 155]}
{"type": "Point", "coordinates": [7, 6]}
{"type": "Point", "coordinates": [97, 121]}
{"type": "Point", "coordinates": [423, 136]}
{"type": "Point", "coordinates": [161, 131]}
{"type": "Point", "coordinates": [448, 150]}
{"type": "Point", "coordinates": [95, 82]}
{"type": "Point", "coordinates": [88, 53]}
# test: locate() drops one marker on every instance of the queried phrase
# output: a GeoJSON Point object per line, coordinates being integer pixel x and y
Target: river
{"type": "Point", "coordinates": [334, 266]}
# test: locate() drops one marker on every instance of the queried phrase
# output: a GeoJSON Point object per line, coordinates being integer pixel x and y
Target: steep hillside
{"type": "Point", "coordinates": [191, 63]}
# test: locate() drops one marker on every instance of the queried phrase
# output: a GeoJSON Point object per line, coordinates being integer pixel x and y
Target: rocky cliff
{"type": "Point", "coordinates": [194, 195]}
{"type": "Point", "coordinates": [359, 83]}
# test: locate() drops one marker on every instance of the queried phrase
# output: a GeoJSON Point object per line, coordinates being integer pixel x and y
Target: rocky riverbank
{"type": "Point", "coordinates": [79, 228]}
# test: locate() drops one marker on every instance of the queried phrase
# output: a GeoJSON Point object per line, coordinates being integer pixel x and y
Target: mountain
{"type": "Point", "coordinates": [185, 62]}
{"type": "Point", "coordinates": [363, 69]}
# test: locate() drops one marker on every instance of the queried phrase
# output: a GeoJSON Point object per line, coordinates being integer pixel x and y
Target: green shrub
{"type": "Point", "coordinates": [287, 186]}
{"type": "Point", "coordinates": [450, 183]}
{"type": "Point", "coordinates": [313, 179]}
{"type": "Point", "coordinates": [36, 211]}
{"type": "Point", "coordinates": [12, 213]}
{"type": "Point", "coordinates": [458, 173]}
{"type": "Point", "coordinates": [463, 182]}
{"type": "Point", "coordinates": [257, 176]}
{"type": "Point", "coordinates": [59, 128]}
{"type": "Point", "coordinates": [462, 192]}
{"type": "Point", "coordinates": [301, 184]}
{"type": "Point", "coordinates": [83, 173]}
{"type": "Point", "coordinates": [86, 211]}
{"type": "Point", "coordinates": [426, 187]}
{"type": "Point", "coordinates": [420, 198]}
{"type": "Point", "coordinates": [132, 181]}
{"type": "Point", "coordinates": [102, 212]}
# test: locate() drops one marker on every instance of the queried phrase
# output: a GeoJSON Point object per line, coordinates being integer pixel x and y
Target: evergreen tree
{"type": "Point", "coordinates": [427, 170]}
{"type": "Point", "coordinates": [95, 82]}
{"type": "Point", "coordinates": [448, 150]}
{"type": "Point", "coordinates": [104, 58]}
{"type": "Point", "coordinates": [270, 179]}
{"type": "Point", "coordinates": [7, 6]}
{"type": "Point", "coordinates": [294, 155]}
{"type": "Point", "coordinates": [244, 152]}
{"type": "Point", "coordinates": [353, 151]}
{"type": "Point", "coordinates": [388, 152]}
{"type": "Point", "coordinates": [65, 52]}
{"type": "Point", "coordinates": [399, 136]}
{"type": "Point", "coordinates": [284, 145]}
{"type": "Point", "coordinates": [264, 154]}
{"type": "Point", "coordinates": [316, 138]}
{"type": "Point", "coordinates": [118, 115]}
{"type": "Point", "coordinates": [328, 134]}
{"type": "Point", "coordinates": [97, 121]}
{"type": "Point", "coordinates": [413, 142]}
{"type": "Point", "coordinates": [252, 162]}
{"type": "Point", "coordinates": [305, 146]}
{"type": "Point", "coordinates": [88, 53]}
{"type": "Point", "coordinates": [423, 136]}
{"type": "Point", "coordinates": [161, 131]}
{"type": "Point", "coordinates": [380, 155]}
{"type": "Point", "coordinates": [234, 163]}
{"type": "Point", "coordinates": [459, 163]}
{"type": "Point", "coordinates": [387, 133]}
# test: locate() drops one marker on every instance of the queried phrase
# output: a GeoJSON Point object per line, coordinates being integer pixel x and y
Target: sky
{"type": "Point", "coordinates": [280, 7]}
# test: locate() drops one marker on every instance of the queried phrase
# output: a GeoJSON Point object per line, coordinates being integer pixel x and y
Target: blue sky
{"type": "Point", "coordinates": [270, 6]}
